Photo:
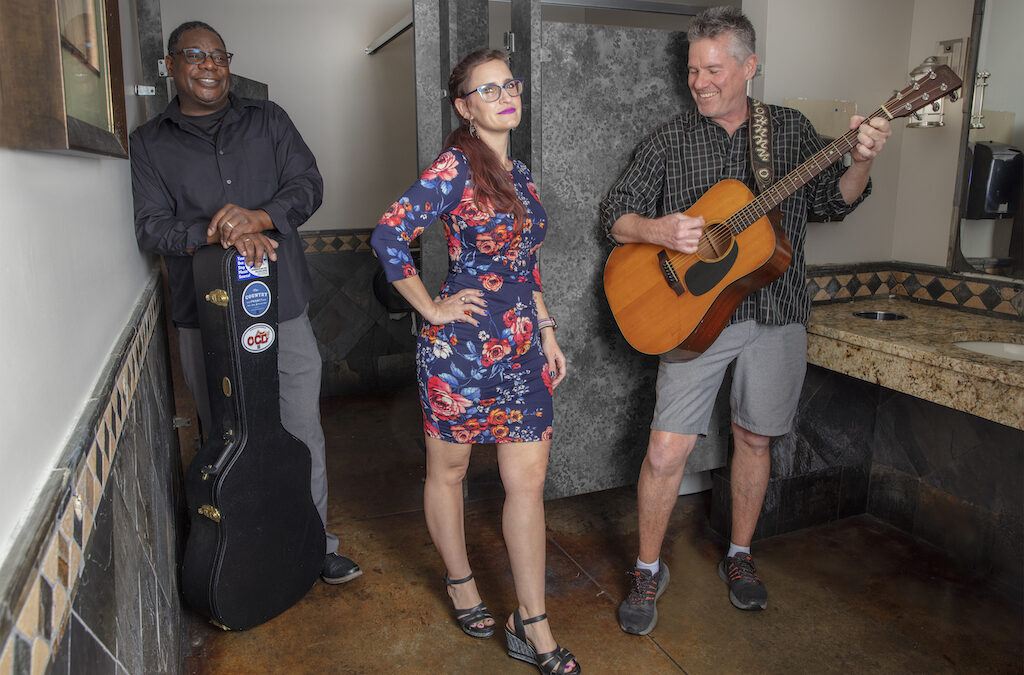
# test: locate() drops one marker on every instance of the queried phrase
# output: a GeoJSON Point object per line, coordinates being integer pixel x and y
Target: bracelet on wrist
{"type": "Point", "coordinates": [546, 322]}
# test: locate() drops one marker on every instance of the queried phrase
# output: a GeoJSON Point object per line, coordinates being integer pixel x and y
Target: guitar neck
{"type": "Point", "coordinates": [796, 179]}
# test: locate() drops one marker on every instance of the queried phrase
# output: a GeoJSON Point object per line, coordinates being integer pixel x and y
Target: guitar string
{"type": "Point", "coordinates": [747, 216]}
{"type": "Point", "coordinates": [796, 179]}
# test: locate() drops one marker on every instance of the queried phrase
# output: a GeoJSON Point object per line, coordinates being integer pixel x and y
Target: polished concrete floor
{"type": "Point", "coordinates": [853, 596]}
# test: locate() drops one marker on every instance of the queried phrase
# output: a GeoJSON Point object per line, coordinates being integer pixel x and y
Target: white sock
{"type": "Point", "coordinates": [650, 567]}
{"type": "Point", "coordinates": [734, 549]}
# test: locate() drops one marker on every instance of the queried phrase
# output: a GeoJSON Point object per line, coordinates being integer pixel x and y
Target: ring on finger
{"type": "Point", "coordinates": [463, 298]}
{"type": "Point", "coordinates": [229, 224]}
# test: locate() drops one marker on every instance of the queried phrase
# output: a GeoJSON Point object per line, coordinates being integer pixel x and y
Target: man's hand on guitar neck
{"type": "Point", "coordinates": [675, 231]}
{"type": "Point", "coordinates": [871, 137]}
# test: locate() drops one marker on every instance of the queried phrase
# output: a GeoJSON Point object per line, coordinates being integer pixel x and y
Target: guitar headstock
{"type": "Point", "coordinates": [930, 87]}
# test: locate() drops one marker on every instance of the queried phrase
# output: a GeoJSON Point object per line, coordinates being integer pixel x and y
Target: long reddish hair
{"type": "Point", "coordinates": [491, 183]}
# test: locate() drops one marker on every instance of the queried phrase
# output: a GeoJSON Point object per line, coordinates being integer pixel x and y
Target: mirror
{"type": "Point", "coordinates": [980, 242]}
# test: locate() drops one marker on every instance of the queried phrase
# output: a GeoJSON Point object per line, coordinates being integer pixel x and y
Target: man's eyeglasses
{"type": "Point", "coordinates": [197, 56]}
{"type": "Point", "coordinates": [492, 92]}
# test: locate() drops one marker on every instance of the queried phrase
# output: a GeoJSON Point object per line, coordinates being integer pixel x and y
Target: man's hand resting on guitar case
{"type": "Point", "coordinates": [675, 231]}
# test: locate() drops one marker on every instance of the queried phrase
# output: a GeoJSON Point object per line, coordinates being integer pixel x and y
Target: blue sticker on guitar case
{"type": "Point", "coordinates": [256, 299]}
{"type": "Point", "coordinates": [247, 272]}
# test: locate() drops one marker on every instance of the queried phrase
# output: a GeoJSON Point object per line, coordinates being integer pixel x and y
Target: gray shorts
{"type": "Point", "coordinates": [769, 373]}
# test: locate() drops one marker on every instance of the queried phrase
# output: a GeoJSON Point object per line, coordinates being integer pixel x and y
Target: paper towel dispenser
{"type": "Point", "coordinates": [995, 182]}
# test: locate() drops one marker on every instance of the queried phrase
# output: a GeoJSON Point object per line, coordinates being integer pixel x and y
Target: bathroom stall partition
{"type": "Point", "coordinates": [597, 91]}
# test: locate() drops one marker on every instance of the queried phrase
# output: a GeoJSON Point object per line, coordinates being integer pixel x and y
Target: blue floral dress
{"type": "Point", "coordinates": [486, 383]}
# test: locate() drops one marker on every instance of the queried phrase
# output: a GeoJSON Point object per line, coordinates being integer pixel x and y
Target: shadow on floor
{"type": "Point", "coordinates": [853, 596]}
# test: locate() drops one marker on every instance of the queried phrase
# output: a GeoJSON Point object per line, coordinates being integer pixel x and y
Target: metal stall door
{"type": "Point", "coordinates": [601, 90]}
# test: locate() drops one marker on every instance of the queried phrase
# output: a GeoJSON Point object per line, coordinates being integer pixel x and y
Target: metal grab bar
{"type": "Point", "coordinates": [404, 24]}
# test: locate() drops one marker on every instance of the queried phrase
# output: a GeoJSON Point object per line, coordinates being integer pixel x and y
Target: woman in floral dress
{"type": "Point", "coordinates": [487, 358]}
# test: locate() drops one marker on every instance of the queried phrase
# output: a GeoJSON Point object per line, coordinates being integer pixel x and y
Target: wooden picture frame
{"type": "Point", "coordinates": [61, 77]}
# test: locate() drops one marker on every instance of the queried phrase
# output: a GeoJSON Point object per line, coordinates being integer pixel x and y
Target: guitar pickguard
{"type": "Point", "coordinates": [702, 276]}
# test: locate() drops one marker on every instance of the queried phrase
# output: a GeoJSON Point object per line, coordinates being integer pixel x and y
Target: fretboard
{"type": "Point", "coordinates": [795, 179]}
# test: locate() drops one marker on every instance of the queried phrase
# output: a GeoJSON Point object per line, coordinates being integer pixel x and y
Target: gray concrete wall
{"type": "Point", "coordinates": [604, 90]}
{"type": "Point", "coordinates": [445, 31]}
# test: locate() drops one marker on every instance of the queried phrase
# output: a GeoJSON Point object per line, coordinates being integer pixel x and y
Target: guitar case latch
{"type": "Point", "coordinates": [210, 512]}
{"type": "Point", "coordinates": [218, 296]}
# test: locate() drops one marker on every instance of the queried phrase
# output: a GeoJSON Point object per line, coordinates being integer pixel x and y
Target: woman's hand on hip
{"type": "Point", "coordinates": [460, 306]}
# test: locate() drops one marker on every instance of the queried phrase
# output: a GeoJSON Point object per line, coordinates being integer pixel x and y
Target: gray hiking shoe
{"type": "Point", "coordinates": [746, 590]}
{"type": "Point", "coordinates": [638, 613]}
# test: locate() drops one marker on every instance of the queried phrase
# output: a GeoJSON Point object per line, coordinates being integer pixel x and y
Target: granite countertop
{"type": "Point", "coordinates": [917, 356]}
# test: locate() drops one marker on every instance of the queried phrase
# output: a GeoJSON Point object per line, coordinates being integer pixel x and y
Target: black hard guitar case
{"type": "Point", "coordinates": [256, 542]}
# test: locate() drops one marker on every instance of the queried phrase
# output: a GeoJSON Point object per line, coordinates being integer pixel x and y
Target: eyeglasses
{"type": "Point", "coordinates": [197, 56]}
{"type": "Point", "coordinates": [492, 92]}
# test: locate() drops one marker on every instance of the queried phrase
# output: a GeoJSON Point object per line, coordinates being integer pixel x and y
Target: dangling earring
{"type": "Point", "coordinates": [472, 129]}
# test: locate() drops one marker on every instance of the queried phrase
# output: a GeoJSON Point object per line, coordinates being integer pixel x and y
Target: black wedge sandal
{"type": "Point", "coordinates": [467, 617]}
{"type": "Point", "coordinates": [549, 663]}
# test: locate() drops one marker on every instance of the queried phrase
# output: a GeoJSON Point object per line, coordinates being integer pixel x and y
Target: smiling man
{"type": "Point", "coordinates": [766, 336]}
{"type": "Point", "coordinates": [217, 169]}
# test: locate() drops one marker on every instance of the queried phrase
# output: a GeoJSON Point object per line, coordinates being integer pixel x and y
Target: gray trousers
{"type": "Point", "coordinates": [298, 366]}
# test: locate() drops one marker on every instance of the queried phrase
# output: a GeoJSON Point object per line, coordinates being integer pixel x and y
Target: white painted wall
{"type": "Point", "coordinates": [356, 112]}
{"type": "Point", "coordinates": [862, 51]}
{"type": "Point", "coordinates": [927, 178]}
{"type": "Point", "coordinates": [835, 50]}
{"type": "Point", "coordinates": [70, 278]}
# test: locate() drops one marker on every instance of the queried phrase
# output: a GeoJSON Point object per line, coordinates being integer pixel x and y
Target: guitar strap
{"type": "Point", "coordinates": [761, 144]}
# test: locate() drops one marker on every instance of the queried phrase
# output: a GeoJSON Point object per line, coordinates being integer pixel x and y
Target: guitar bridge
{"type": "Point", "coordinates": [668, 270]}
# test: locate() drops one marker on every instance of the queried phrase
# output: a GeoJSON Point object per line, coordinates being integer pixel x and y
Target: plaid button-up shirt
{"type": "Point", "coordinates": [683, 159]}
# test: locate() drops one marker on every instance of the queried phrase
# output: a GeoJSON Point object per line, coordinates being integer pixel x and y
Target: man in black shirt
{"type": "Point", "coordinates": [766, 337]}
{"type": "Point", "coordinates": [217, 169]}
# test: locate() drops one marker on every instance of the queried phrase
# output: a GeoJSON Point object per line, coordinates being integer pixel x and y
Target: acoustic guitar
{"type": "Point", "coordinates": [663, 299]}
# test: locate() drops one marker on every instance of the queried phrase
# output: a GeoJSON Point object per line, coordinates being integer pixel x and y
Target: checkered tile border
{"type": "Point", "coordinates": [825, 283]}
{"type": "Point", "coordinates": [996, 297]}
{"type": "Point", "coordinates": [333, 241]}
{"type": "Point", "coordinates": [42, 616]}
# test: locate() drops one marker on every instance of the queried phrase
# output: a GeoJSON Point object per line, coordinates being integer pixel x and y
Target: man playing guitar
{"type": "Point", "coordinates": [766, 336]}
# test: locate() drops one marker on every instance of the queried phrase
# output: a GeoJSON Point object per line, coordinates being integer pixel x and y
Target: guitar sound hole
{"type": "Point", "coordinates": [714, 242]}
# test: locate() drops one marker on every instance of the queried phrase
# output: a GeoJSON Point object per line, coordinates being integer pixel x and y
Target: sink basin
{"type": "Point", "coordinates": [880, 316]}
{"type": "Point", "coordinates": [1004, 350]}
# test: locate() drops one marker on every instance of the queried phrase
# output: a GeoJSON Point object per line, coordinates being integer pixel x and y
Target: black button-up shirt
{"type": "Point", "coordinates": [683, 159]}
{"type": "Point", "coordinates": [181, 177]}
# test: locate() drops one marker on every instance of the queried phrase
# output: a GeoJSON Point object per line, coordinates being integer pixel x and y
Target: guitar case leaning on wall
{"type": "Point", "coordinates": [256, 542]}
